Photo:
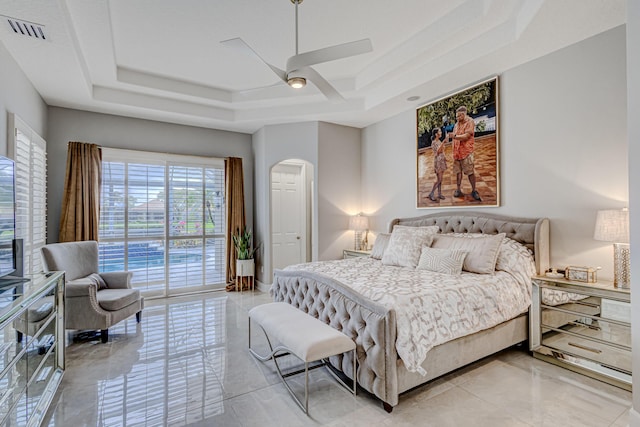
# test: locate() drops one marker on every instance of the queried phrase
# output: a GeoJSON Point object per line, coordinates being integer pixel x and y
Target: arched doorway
{"type": "Point", "coordinates": [291, 212]}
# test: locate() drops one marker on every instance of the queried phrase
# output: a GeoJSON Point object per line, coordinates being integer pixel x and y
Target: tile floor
{"type": "Point", "coordinates": [187, 364]}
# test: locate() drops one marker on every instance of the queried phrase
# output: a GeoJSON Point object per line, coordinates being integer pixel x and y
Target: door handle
{"type": "Point", "coordinates": [297, 237]}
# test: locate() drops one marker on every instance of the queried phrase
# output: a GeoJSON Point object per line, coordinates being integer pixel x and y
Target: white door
{"type": "Point", "coordinates": [288, 213]}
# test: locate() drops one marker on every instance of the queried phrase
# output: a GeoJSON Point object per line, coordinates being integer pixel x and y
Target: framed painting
{"type": "Point", "coordinates": [457, 149]}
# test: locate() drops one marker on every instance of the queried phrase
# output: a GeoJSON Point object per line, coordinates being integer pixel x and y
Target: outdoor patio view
{"type": "Point", "coordinates": [164, 222]}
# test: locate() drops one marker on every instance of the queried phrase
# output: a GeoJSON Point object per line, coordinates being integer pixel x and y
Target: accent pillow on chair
{"type": "Point", "coordinates": [93, 300]}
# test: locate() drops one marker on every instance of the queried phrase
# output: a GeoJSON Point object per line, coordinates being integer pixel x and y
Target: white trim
{"type": "Point", "coordinates": [110, 154]}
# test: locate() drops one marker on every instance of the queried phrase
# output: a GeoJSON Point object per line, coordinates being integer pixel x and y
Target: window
{"type": "Point", "coordinates": [162, 217]}
{"type": "Point", "coordinates": [29, 151]}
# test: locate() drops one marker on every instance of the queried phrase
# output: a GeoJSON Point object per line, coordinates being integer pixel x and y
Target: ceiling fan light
{"type": "Point", "coordinates": [297, 82]}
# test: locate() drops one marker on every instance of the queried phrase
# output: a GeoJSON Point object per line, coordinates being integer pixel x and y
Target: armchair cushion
{"type": "Point", "coordinates": [117, 299]}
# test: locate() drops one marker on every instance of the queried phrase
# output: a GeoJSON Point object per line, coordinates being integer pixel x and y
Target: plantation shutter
{"type": "Point", "coordinates": [29, 151]}
{"type": "Point", "coordinates": [162, 217]}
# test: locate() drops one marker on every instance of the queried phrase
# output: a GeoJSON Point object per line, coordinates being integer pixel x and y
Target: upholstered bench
{"type": "Point", "coordinates": [302, 335]}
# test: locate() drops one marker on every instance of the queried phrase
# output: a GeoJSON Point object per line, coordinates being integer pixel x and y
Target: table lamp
{"type": "Point", "coordinates": [360, 223]}
{"type": "Point", "coordinates": [613, 226]}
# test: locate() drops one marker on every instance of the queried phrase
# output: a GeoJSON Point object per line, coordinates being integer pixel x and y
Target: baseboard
{"type": "Point", "coordinates": [634, 418]}
{"type": "Point", "coordinates": [262, 287]}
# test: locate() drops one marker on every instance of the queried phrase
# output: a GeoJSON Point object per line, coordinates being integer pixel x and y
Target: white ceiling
{"type": "Point", "coordinates": [162, 60]}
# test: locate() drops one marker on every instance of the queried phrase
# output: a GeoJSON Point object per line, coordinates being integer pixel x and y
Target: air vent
{"type": "Point", "coordinates": [26, 28]}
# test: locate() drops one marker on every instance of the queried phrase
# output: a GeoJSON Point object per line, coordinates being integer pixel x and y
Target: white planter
{"type": "Point", "coordinates": [245, 267]}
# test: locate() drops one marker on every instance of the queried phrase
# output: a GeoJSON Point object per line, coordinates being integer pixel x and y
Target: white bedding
{"type": "Point", "coordinates": [432, 308]}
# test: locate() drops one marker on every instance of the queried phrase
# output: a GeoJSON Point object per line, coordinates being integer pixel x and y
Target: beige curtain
{"type": "Point", "coordinates": [81, 200]}
{"type": "Point", "coordinates": [234, 199]}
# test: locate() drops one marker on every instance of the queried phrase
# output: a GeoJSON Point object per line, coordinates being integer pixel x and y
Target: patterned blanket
{"type": "Point", "coordinates": [431, 308]}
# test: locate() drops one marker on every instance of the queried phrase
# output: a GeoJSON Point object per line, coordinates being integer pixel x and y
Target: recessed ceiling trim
{"type": "Point", "coordinates": [176, 86]}
{"type": "Point", "coordinates": [152, 102]}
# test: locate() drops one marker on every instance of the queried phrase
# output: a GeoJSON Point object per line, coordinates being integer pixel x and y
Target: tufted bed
{"type": "Point", "coordinates": [374, 325]}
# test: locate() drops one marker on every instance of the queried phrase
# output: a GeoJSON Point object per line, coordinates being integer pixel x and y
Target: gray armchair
{"type": "Point", "coordinates": [92, 300]}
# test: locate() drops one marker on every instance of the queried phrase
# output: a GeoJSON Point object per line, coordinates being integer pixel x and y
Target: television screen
{"type": "Point", "coordinates": [7, 216]}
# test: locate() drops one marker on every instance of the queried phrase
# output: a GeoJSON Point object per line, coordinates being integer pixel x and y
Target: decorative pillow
{"type": "Point", "coordinates": [98, 280]}
{"type": "Point", "coordinates": [482, 250]}
{"type": "Point", "coordinates": [447, 261]}
{"type": "Point", "coordinates": [515, 257]}
{"type": "Point", "coordinates": [94, 278]}
{"type": "Point", "coordinates": [379, 246]}
{"type": "Point", "coordinates": [405, 245]}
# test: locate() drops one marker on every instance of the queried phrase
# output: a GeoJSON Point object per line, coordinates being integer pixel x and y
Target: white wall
{"type": "Point", "coordinates": [334, 152]}
{"type": "Point", "coordinates": [633, 112]}
{"type": "Point", "coordinates": [135, 134]}
{"type": "Point", "coordinates": [563, 149]}
{"type": "Point", "coordinates": [271, 145]}
{"type": "Point", "coordinates": [339, 190]}
{"type": "Point", "coordinates": [18, 96]}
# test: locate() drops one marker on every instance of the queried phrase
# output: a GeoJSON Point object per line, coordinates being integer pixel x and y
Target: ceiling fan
{"type": "Point", "coordinates": [299, 69]}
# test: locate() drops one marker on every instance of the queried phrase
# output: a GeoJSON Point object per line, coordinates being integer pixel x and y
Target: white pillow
{"type": "Point", "coordinates": [447, 261]}
{"type": "Point", "coordinates": [379, 246]}
{"type": "Point", "coordinates": [405, 245]}
{"type": "Point", "coordinates": [515, 257]}
{"type": "Point", "coordinates": [482, 250]}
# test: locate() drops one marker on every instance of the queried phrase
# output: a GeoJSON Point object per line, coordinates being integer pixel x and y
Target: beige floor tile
{"type": "Point", "coordinates": [187, 364]}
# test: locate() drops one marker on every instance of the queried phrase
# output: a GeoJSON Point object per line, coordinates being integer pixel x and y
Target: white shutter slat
{"type": "Point", "coordinates": [154, 220]}
{"type": "Point", "coordinates": [30, 156]}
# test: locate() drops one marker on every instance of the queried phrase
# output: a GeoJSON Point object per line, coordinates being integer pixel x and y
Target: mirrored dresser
{"type": "Point", "coordinates": [31, 346]}
{"type": "Point", "coordinates": [585, 327]}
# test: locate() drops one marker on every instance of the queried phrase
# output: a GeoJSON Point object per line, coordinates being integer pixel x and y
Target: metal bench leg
{"type": "Point", "coordinates": [355, 372]}
{"type": "Point", "coordinates": [306, 388]}
{"type": "Point", "coordinates": [285, 351]}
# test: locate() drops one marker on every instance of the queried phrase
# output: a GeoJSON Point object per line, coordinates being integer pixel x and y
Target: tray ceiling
{"type": "Point", "coordinates": [162, 59]}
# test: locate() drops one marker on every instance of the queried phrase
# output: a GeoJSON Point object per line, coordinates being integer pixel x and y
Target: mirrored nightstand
{"type": "Point", "coordinates": [352, 253]}
{"type": "Point", "coordinates": [585, 327]}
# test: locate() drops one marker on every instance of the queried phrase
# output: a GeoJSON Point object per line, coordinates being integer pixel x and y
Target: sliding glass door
{"type": "Point", "coordinates": [162, 218]}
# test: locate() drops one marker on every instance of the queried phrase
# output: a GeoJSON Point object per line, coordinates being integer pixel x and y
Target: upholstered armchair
{"type": "Point", "coordinates": [93, 300]}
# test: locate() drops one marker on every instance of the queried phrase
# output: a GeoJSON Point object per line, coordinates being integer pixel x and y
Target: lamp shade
{"type": "Point", "coordinates": [359, 223]}
{"type": "Point", "coordinates": [612, 226]}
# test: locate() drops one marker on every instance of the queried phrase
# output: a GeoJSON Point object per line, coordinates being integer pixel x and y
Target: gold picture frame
{"type": "Point", "coordinates": [459, 167]}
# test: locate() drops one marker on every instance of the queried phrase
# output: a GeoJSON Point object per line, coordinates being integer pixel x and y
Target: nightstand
{"type": "Point", "coordinates": [352, 253]}
{"type": "Point", "coordinates": [585, 327]}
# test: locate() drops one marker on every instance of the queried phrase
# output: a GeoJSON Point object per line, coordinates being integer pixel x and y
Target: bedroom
{"type": "Point", "coordinates": [572, 193]}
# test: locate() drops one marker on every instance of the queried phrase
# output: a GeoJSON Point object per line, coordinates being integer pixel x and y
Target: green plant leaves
{"type": "Point", "coordinates": [242, 240]}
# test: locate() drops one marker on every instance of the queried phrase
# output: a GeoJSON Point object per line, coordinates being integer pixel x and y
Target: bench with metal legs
{"type": "Point", "coordinates": [304, 337]}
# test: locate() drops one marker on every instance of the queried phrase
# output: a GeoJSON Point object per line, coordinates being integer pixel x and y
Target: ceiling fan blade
{"type": "Point", "coordinates": [241, 46]}
{"type": "Point", "coordinates": [321, 83]}
{"type": "Point", "coordinates": [327, 54]}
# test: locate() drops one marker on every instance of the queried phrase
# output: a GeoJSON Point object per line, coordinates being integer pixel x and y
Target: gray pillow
{"type": "Point", "coordinates": [482, 250]}
{"type": "Point", "coordinates": [447, 261]}
{"type": "Point", "coordinates": [98, 280]}
{"type": "Point", "coordinates": [94, 278]}
{"type": "Point", "coordinates": [379, 246]}
{"type": "Point", "coordinates": [405, 245]}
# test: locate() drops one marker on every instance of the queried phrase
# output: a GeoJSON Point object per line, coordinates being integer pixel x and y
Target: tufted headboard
{"type": "Point", "coordinates": [531, 232]}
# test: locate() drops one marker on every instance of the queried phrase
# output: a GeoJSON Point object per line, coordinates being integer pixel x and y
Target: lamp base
{"type": "Point", "coordinates": [621, 266]}
{"type": "Point", "coordinates": [357, 240]}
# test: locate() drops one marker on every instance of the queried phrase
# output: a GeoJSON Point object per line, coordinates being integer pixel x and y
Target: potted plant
{"type": "Point", "coordinates": [243, 240]}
